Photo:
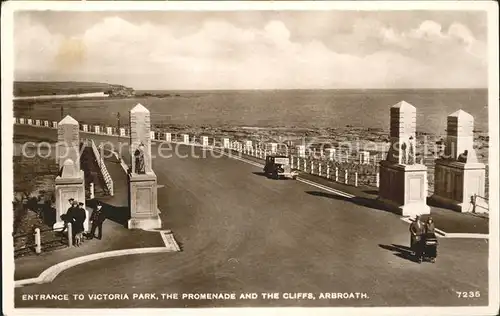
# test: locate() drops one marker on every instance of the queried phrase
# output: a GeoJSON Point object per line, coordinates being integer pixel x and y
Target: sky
{"type": "Point", "coordinates": [254, 49]}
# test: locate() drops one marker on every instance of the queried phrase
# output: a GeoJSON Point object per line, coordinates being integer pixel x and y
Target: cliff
{"type": "Point", "coordinates": [39, 88]}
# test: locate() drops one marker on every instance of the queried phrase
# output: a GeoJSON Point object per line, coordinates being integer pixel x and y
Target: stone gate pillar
{"type": "Point", "coordinates": [403, 182]}
{"type": "Point", "coordinates": [70, 181]}
{"type": "Point", "coordinates": [458, 174]}
{"type": "Point", "coordinates": [143, 196]}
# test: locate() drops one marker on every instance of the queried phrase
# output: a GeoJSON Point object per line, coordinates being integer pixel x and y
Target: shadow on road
{"type": "Point", "coordinates": [371, 203]}
{"type": "Point", "coordinates": [400, 251]}
{"type": "Point", "coordinates": [372, 192]}
{"type": "Point", "coordinates": [117, 214]}
{"type": "Point", "coordinates": [262, 174]}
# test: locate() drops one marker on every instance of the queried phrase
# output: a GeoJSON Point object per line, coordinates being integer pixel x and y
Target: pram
{"type": "Point", "coordinates": [429, 247]}
{"type": "Point", "coordinates": [425, 247]}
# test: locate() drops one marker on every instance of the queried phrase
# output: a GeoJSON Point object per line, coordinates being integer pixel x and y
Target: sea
{"type": "Point", "coordinates": [272, 108]}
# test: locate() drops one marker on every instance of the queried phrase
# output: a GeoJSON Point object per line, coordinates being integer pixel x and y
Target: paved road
{"type": "Point", "coordinates": [242, 232]}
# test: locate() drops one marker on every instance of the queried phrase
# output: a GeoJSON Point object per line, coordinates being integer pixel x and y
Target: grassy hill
{"type": "Point", "coordinates": [35, 88]}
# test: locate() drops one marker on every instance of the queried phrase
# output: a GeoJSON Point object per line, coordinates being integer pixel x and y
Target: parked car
{"type": "Point", "coordinates": [277, 167]}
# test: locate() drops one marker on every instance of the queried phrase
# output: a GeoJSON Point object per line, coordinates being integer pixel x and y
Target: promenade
{"type": "Point", "coordinates": [243, 232]}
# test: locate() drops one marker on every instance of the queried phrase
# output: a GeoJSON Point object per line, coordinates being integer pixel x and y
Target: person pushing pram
{"type": "Point", "coordinates": [423, 241]}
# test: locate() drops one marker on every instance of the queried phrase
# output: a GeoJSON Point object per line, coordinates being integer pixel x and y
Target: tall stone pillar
{"type": "Point", "coordinates": [143, 196]}
{"type": "Point", "coordinates": [70, 181]}
{"type": "Point", "coordinates": [458, 174]}
{"type": "Point", "coordinates": [403, 182]}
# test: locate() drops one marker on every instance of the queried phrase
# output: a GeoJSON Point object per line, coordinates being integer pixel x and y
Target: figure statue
{"type": "Point", "coordinates": [463, 156]}
{"type": "Point", "coordinates": [403, 153]}
{"type": "Point", "coordinates": [411, 153]}
{"type": "Point", "coordinates": [139, 160]}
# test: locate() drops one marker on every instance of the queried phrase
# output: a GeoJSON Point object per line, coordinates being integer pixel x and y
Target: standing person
{"type": "Point", "coordinates": [97, 218]}
{"type": "Point", "coordinates": [430, 228]}
{"type": "Point", "coordinates": [68, 217]}
{"type": "Point", "coordinates": [417, 230]}
{"type": "Point", "coordinates": [430, 234]}
{"type": "Point", "coordinates": [79, 218]}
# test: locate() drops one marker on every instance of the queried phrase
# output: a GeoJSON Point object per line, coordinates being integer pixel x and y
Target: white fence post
{"type": "Point", "coordinates": [204, 141]}
{"type": "Point", "coordinates": [274, 148]}
{"type": "Point", "coordinates": [38, 241]}
{"type": "Point", "coordinates": [70, 235]}
{"type": "Point", "coordinates": [319, 168]}
{"type": "Point", "coordinates": [122, 131]}
{"type": "Point", "coordinates": [377, 179]}
{"type": "Point", "coordinates": [92, 190]}
{"type": "Point", "coordinates": [355, 179]}
{"type": "Point", "coordinates": [346, 177]}
{"type": "Point", "coordinates": [336, 174]}
{"type": "Point", "coordinates": [328, 171]}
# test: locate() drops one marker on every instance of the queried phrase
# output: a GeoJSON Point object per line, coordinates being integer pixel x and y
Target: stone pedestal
{"type": "Point", "coordinates": [403, 182]}
{"type": "Point", "coordinates": [403, 188]}
{"type": "Point", "coordinates": [143, 199]}
{"type": "Point", "coordinates": [66, 188]}
{"type": "Point", "coordinates": [456, 183]}
{"type": "Point", "coordinates": [458, 175]}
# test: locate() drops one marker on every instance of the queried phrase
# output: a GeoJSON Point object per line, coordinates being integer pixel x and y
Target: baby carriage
{"type": "Point", "coordinates": [429, 247]}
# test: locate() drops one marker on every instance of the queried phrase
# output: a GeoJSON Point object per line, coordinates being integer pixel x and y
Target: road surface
{"type": "Point", "coordinates": [242, 232]}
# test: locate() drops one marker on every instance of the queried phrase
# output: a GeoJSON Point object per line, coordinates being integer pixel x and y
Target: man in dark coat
{"type": "Point", "coordinates": [417, 230]}
{"type": "Point", "coordinates": [68, 217]}
{"type": "Point", "coordinates": [78, 219]}
{"type": "Point", "coordinates": [97, 218]}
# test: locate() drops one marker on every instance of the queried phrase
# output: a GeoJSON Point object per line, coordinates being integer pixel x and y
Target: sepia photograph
{"type": "Point", "coordinates": [299, 157]}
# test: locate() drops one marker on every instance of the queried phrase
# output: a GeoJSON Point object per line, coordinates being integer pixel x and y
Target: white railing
{"type": "Point", "coordinates": [311, 161]}
{"type": "Point", "coordinates": [480, 204]}
{"type": "Point", "coordinates": [108, 181]}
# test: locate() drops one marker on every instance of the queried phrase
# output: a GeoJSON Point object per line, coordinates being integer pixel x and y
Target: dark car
{"type": "Point", "coordinates": [279, 167]}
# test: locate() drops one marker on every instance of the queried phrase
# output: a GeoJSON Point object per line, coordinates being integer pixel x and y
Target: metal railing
{"type": "Point", "coordinates": [108, 181]}
{"type": "Point", "coordinates": [35, 241]}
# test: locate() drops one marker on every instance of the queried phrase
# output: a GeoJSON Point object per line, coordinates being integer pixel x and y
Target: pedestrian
{"type": "Point", "coordinates": [79, 218]}
{"type": "Point", "coordinates": [417, 230]}
{"type": "Point", "coordinates": [430, 228]}
{"type": "Point", "coordinates": [68, 216]}
{"type": "Point", "coordinates": [97, 218]}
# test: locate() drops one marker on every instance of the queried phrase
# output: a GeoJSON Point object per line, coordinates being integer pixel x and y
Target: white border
{"type": "Point", "coordinates": [7, 132]}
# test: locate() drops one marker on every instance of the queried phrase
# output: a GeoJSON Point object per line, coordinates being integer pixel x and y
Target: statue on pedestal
{"type": "Point", "coordinates": [403, 153]}
{"type": "Point", "coordinates": [411, 153]}
{"type": "Point", "coordinates": [139, 160]}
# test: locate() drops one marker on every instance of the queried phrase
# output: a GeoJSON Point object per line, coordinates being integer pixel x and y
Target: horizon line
{"type": "Point", "coordinates": [250, 89]}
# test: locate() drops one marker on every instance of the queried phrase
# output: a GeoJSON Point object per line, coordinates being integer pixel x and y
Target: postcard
{"type": "Point", "coordinates": [250, 157]}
